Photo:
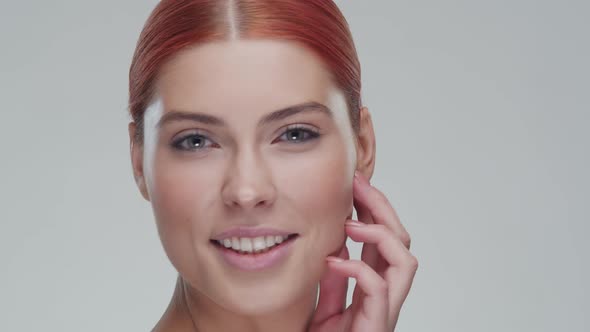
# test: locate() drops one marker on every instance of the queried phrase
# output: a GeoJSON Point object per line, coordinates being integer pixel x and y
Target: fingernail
{"type": "Point", "coordinates": [354, 223]}
{"type": "Point", "coordinates": [357, 180]}
{"type": "Point", "coordinates": [334, 259]}
{"type": "Point", "coordinates": [357, 177]}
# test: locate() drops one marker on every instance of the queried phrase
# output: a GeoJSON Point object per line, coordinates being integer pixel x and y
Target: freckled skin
{"type": "Point", "coordinates": [247, 176]}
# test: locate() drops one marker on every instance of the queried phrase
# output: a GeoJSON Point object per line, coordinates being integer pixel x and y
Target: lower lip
{"type": "Point", "coordinates": [257, 261]}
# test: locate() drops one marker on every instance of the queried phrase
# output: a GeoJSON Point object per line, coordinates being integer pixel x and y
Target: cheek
{"type": "Point", "coordinates": [174, 193]}
{"type": "Point", "coordinates": [321, 189]}
{"type": "Point", "coordinates": [179, 204]}
{"type": "Point", "coordinates": [182, 188]}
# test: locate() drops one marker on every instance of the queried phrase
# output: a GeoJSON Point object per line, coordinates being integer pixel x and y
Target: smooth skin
{"type": "Point", "coordinates": [244, 173]}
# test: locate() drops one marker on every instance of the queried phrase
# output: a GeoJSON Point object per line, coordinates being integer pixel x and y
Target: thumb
{"type": "Point", "coordinates": [333, 289]}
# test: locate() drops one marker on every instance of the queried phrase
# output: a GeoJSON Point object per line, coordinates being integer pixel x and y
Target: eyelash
{"type": "Point", "coordinates": [312, 135]}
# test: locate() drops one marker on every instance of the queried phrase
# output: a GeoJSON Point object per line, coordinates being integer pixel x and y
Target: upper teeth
{"type": "Point", "coordinates": [256, 244]}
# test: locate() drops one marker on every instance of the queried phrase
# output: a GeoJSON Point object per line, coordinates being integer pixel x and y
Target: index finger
{"type": "Point", "coordinates": [370, 200]}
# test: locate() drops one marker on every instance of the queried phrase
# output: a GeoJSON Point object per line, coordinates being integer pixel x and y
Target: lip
{"type": "Point", "coordinates": [257, 261]}
{"type": "Point", "coordinates": [250, 232]}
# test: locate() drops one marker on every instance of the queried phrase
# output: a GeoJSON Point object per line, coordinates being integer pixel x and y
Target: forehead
{"type": "Point", "coordinates": [242, 77]}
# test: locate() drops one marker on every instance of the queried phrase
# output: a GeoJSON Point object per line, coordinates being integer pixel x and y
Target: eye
{"type": "Point", "coordinates": [191, 142]}
{"type": "Point", "coordinates": [299, 134]}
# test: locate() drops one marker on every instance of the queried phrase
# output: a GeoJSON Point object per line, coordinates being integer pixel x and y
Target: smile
{"type": "Point", "coordinates": [255, 253]}
{"type": "Point", "coordinates": [258, 244]}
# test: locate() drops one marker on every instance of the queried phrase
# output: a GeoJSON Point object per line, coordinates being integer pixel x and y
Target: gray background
{"type": "Point", "coordinates": [481, 111]}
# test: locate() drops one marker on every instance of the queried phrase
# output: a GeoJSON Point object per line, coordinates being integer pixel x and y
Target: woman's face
{"type": "Point", "coordinates": [237, 167]}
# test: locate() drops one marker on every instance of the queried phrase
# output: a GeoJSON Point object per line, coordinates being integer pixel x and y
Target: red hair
{"type": "Point", "coordinates": [175, 24]}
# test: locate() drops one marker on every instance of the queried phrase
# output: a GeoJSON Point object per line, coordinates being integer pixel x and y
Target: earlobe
{"type": "Point", "coordinates": [366, 145]}
{"type": "Point", "coordinates": [136, 154]}
{"type": "Point", "coordinates": [140, 181]}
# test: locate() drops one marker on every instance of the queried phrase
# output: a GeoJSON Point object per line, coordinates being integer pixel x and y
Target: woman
{"type": "Point", "coordinates": [252, 216]}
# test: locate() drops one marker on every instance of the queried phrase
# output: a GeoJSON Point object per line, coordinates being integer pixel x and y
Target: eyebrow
{"type": "Point", "coordinates": [312, 106]}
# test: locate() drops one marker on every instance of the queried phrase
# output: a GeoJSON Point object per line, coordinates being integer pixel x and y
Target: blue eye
{"type": "Point", "coordinates": [193, 142]}
{"type": "Point", "coordinates": [190, 142]}
{"type": "Point", "coordinates": [298, 134]}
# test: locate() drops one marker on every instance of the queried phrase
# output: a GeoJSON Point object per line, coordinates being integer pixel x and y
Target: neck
{"type": "Point", "coordinates": [190, 310]}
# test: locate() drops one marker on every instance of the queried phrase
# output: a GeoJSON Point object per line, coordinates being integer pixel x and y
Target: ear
{"type": "Point", "coordinates": [136, 152]}
{"type": "Point", "coordinates": [365, 161]}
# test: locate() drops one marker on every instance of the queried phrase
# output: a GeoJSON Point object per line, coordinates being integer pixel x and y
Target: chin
{"type": "Point", "coordinates": [258, 303]}
{"type": "Point", "coordinates": [266, 296]}
{"type": "Point", "coordinates": [260, 306]}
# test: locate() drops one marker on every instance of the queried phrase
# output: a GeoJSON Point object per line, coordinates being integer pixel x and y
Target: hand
{"type": "Point", "coordinates": [383, 276]}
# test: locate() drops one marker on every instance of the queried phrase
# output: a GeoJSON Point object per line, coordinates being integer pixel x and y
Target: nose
{"type": "Point", "coordinates": [248, 182]}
